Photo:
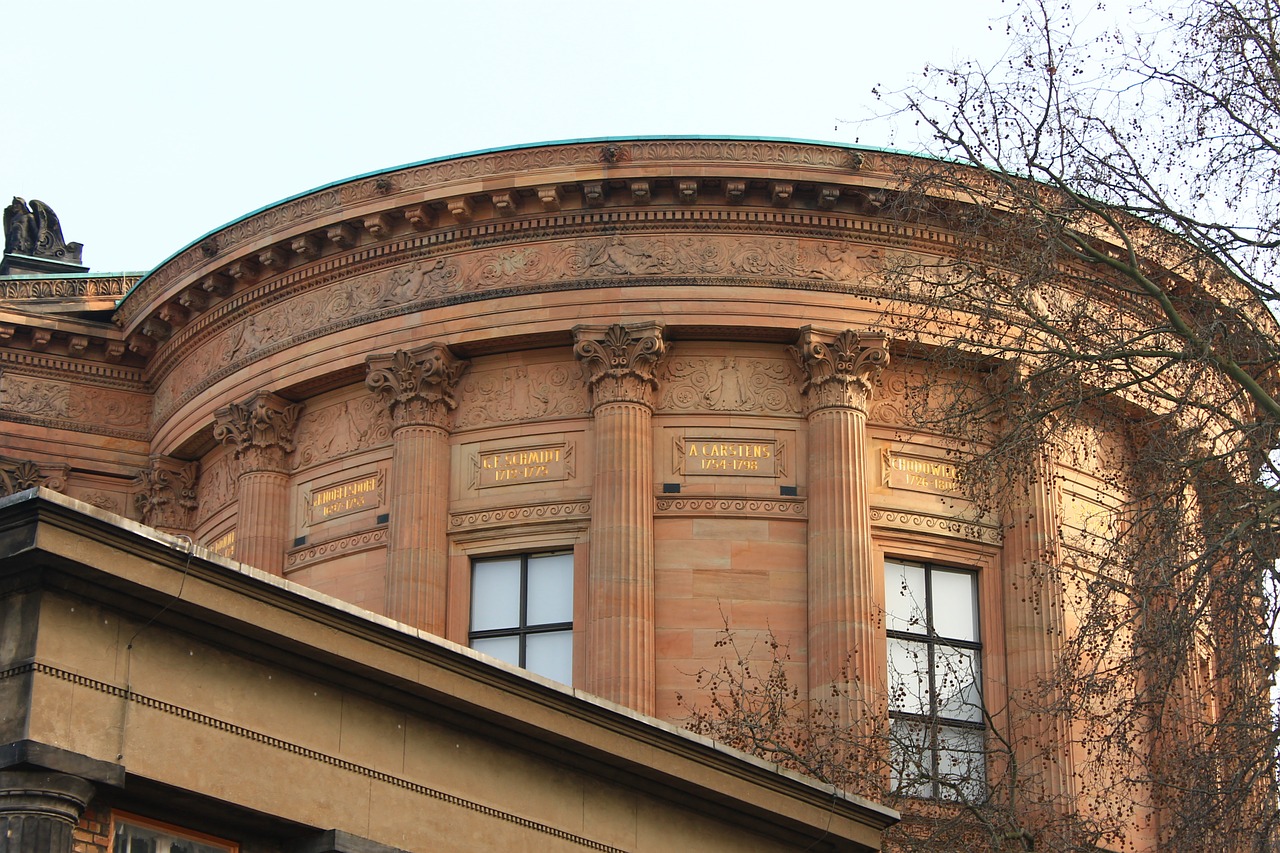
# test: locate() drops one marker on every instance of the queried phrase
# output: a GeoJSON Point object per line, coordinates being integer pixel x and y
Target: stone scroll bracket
{"type": "Point", "coordinates": [621, 361]}
{"type": "Point", "coordinates": [260, 429]}
{"type": "Point", "coordinates": [418, 385]}
{"type": "Point", "coordinates": [840, 368]}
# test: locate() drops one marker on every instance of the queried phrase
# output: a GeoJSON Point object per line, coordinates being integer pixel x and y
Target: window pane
{"type": "Point", "coordinates": [908, 676]}
{"type": "Point", "coordinates": [910, 759]}
{"type": "Point", "coordinates": [550, 655]}
{"type": "Point", "coordinates": [904, 598]}
{"type": "Point", "coordinates": [955, 605]}
{"type": "Point", "coordinates": [958, 680]}
{"type": "Point", "coordinates": [495, 594]}
{"type": "Point", "coordinates": [502, 648]}
{"type": "Point", "coordinates": [961, 765]}
{"type": "Point", "coordinates": [550, 589]}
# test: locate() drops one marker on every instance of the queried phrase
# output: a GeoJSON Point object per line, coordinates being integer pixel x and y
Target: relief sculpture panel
{"type": "Point", "coordinates": [521, 393]}
{"type": "Point", "coordinates": [729, 384]}
{"type": "Point", "coordinates": [97, 409]}
{"type": "Point", "coordinates": [349, 426]}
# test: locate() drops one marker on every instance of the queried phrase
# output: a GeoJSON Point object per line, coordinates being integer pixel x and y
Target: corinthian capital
{"type": "Point", "coordinates": [417, 384]}
{"type": "Point", "coordinates": [620, 360]}
{"type": "Point", "coordinates": [260, 429]}
{"type": "Point", "coordinates": [840, 368]}
{"type": "Point", "coordinates": [168, 495]}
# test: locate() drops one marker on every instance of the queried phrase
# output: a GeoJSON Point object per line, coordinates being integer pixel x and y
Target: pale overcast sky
{"type": "Point", "coordinates": [147, 124]}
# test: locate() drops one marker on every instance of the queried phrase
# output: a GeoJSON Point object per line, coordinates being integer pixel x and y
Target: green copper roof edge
{"type": "Point", "coordinates": [495, 150]}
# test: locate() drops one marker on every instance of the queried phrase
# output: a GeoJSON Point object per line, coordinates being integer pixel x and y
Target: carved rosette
{"type": "Point", "coordinates": [168, 496]}
{"type": "Point", "coordinates": [260, 430]}
{"type": "Point", "coordinates": [620, 361]}
{"type": "Point", "coordinates": [840, 369]}
{"type": "Point", "coordinates": [417, 384]}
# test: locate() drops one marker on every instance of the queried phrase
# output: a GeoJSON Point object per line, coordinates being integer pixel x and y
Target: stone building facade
{"type": "Point", "coordinates": [580, 405]}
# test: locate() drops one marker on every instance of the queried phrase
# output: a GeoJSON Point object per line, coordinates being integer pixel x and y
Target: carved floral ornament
{"type": "Point", "coordinates": [620, 360]}
{"type": "Point", "coordinates": [260, 430]}
{"type": "Point", "coordinates": [168, 496]}
{"type": "Point", "coordinates": [417, 384]}
{"type": "Point", "coordinates": [840, 369]}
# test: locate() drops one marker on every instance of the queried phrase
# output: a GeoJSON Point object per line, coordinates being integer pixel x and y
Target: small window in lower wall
{"type": "Point", "coordinates": [133, 834]}
{"type": "Point", "coordinates": [522, 611]}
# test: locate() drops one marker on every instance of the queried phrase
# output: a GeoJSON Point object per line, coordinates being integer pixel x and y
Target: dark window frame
{"type": "Point", "coordinates": [933, 721]}
{"type": "Point", "coordinates": [524, 630]}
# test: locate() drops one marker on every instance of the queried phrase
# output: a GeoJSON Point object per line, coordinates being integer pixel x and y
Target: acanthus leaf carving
{"type": "Point", "coordinates": [620, 361]}
{"type": "Point", "coordinates": [417, 384]}
{"type": "Point", "coordinates": [260, 430]}
{"type": "Point", "coordinates": [841, 368]}
{"type": "Point", "coordinates": [168, 497]}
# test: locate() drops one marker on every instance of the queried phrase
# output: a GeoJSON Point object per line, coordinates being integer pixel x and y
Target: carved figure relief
{"type": "Point", "coordinates": [729, 384]}
{"type": "Point", "coordinates": [521, 394]}
{"type": "Point", "coordinates": [346, 427]}
{"type": "Point", "coordinates": [216, 487]}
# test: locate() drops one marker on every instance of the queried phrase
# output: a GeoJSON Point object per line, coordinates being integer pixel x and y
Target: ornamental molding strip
{"type": "Point", "coordinates": [299, 558]}
{"type": "Point", "coordinates": [940, 525]}
{"type": "Point", "coordinates": [744, 507]}
{"type": "Point", "coordinates": [578, 511]}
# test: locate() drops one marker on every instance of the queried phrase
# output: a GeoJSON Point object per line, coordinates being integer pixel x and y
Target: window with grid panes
{"type": "Point", "coordinates": [935, 681]}
{"type": "Point", "coordinates": [522, 611]}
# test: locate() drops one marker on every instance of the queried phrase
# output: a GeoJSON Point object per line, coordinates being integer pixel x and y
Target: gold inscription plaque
{"type": "Point", "coordinates": [920, 474]}
{"type": "Point", "coordinates": [523, 465]}
{"type": "Point", "coordinates": [345, 498]}
{"type": "Point", "coordinates": [224, 545]}
{"type": "Point", "coordinates": [735, 457]}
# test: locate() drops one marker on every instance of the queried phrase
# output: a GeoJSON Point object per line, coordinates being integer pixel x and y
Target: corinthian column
{"type": "Point", "coordinates": [1034, 632]}
{"type": "Point", "coordinates": [620, 362]}
{"type": "Point", "coordinates": [418, 387]}
{"type": "Point", "coordinates": [261, 431]}
{"type": "Point", "coordinates": [846, 642]}
{"type": "Point", "coordinates": [168, 497]}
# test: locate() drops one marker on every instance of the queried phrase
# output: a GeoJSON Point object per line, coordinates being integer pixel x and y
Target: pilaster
{"type": "Point", "coordinates": [620, 363]}
{"type": "Point", "coordinates": [260, 429]}
{"type": "Point", "coordinates": [846, 656]}
{"type": "Point", "coordinates": [418, 386]}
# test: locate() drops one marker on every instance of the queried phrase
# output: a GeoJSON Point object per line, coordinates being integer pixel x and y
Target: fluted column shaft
{"type": "Point", "coordinates": [620, 361]}
{"type": "Point", "coordinates": [418, 387]}
{"type": "Point", "coordinates": [417, 560]}
{"type": "Point", "coordinates": [261, 431]}
{"type": "Point", "coordinates": [846, 655]}
{"type": "Point", "coordinates": [39, 810]}
{"type": "Point", "coordinates": [1034, 632]}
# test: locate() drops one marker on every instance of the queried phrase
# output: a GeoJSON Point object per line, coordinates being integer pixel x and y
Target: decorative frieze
{"type": "Point", "coordinates": [260, 430]}
{"type": "Point", "coordinates": [168, 496]}
{"type": "Point", "coordinates": [417, 385]}
{"type": "Point", "coordinates": [521, 393]}
{"type": "Point", "coordinates": [731, 507]}
{"type": "Point", "coordinates": [620, 361]}
{"type": "Point", "coordinates": [840, 369]}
